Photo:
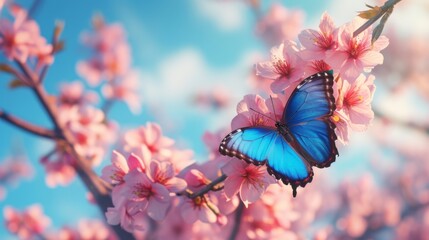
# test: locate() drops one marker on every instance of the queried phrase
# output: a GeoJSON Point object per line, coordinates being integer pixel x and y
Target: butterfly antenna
{"type": "Point", "coordinates": [274, 109]}
{"type": "Point", "coordinates": [262, 114]}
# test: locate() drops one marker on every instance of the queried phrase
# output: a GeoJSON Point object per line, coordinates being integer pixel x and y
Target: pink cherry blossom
{"type": "Point", "coordinates": [175, 227]}
{"type": "Point", "coordinates": [316, 43]}
{"type": "Point", "coordinates": [212, 140]}
{"type": "Point", "coordinates": [149, 137]}
{"type": "Point", "coordinates": [94, 229]}
{"type": "Point", "coordinates": [163, 173]}
{"type": "Point", "coordinates": [257, 222]}
{"type": "Point", "coordinates": [128, 215]}
{"type": "Point", "coordinates": [280, 204]}
{"type": "Point", "coordinates": [342, 123]}
{"type": "Point", "coordinates": [73, 94]}
{"type": "Point", "coordinates": [65, 232]}
{"type": "Point", "coordinates": [316, 66]}
{"type": "Point", "coordinates": [21, 39]}
{"type": "Point", "coordinates": [280, 24]}
{"type": "Point", "coordinates": [14, 168]}
{"type": "Point", "coordinates": [355, 54]}
{"type": "Point", "coordinates": [27, 224]}
{"type": "Point", "coordinates": [248, 117]}
{"type": "Point", "coordinates": [126, 89]}
{"type": "Point", "coordinates": [91, 137]}
{"type": "Point", "coordinates": [105, 36]}
{"type": "Point", "coordinates": [196, 179]}
{"type": "Point", "coordinates": [181, 159]}
{"type": "Point", "coordinates": [91, 134]}
{"type": "Point", "coordinates": [149, 196]}
{"type": "Point", "coordinates": [199, 208]}
{"type": "Point", "coordinates": [111, 58]}
{"type": "Point", "coordinates": [226, 205]}
{"type": "Point", "coordinates": [114, 174]}
{"type": "Point", "coordinates": [248, 180]}
{"type": "Point", "coordinates": [59, 169]}
{"type": "Point", "coordinates": [211, 207]}
{"type": "Point", "coordinates": [355, 99]}
{"type": "Point", "coordinates": [285, 67]}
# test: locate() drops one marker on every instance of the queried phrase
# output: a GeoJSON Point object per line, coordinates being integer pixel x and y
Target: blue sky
{"type": "Point", "coordinates": [204, 43]}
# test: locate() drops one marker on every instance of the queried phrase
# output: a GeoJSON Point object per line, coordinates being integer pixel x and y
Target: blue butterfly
{"type": "Point", "coordinates": [304, 137]}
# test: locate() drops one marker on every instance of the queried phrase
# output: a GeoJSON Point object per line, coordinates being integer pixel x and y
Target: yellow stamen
{"type": "Point", "coordinates": [335, 118]}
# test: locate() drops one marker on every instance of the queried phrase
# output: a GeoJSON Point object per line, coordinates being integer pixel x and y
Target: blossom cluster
{"type": "Point", "coordinates": [146, 184]}
{"type": "Point", "coordinates": [20, 39]}
{"type": "Point", "coordinates": [32, 223]}
{"type": "Point", "coordinates": [12, 169]}
{"type": "Point", "coordinates": [89, 129]}
{"type": "Point", "coordinates": [145, 178]}
{"type": "Point", "coordinates": [110, 62]}
{"type": "Point", "coordinates": [329, 47]}
{"type": "Point", "coordinates": [28, 223]}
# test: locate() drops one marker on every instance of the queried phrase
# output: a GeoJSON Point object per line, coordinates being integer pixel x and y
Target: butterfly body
{"type": "Point", "coordinates": [304, 137]}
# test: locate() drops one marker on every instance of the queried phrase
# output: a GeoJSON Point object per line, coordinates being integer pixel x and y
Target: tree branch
{"type": "Point", "coordinates": [385, 8]}
{"type": "Point", "coordinates": [28, 127]}
{"type": "Point", "coordinates": [98, 188]}
{"type": "Point", "coordinates": [237, 221]}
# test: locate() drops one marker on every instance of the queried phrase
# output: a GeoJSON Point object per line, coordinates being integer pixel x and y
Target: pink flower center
{"type": "Point", "coordinates": [258, 120]}
{"type": "Point", "coordinates": [9, 40]}
{"type": "Point", "coordinates": [85, 120]}
{"type": "Point", "coordinates": [324, 41]}
{"type": "Point", "coordinates": [118, 176]}
{"type": "Point", "coordinates": [356, 49]}
{"type": "Point", "coordinates": [352, 98]}
{"type": "Point", "coordinates": [198, 202]}
{"type": "Point", "coordinates": [283, 68]}
{"type": "Point", "coordinates": [252, 175]}
{"type": "Point", "coordinates": [143, 191]}
{"type": "Point", "coordinates": [320, 66]}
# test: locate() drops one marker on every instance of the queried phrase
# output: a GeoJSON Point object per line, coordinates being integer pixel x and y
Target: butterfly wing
{"type": "Point", "coordinates": [307, 114]}
{"type": "Point", "coordinates": [264, 145]}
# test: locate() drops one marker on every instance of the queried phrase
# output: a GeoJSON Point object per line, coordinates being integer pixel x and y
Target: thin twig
{"type": "Point", "coordinates": [28, 74]}
{"type": "Point", "coordinates": [237, 221]}
{"type": "Point", "coordinates": [33, 8]}
{"type": "Point", "coordinates": [28, 127]}
{"type": "Point", "coordinates": [386, 7]}
{"type": "Point", "coordinates": [9, 69]}
{"type": "Point", "coordinates": [209, 187]}
{"type": "Point", "coordinates": [98, 188]}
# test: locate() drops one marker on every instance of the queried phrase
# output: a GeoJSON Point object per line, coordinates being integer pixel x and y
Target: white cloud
{"type": "Point", "coordinates": [227, 15]}
{"type": "Point", "coordinates": [169, 90]}
{"type": "Point", "coordinates": [411, 18]}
